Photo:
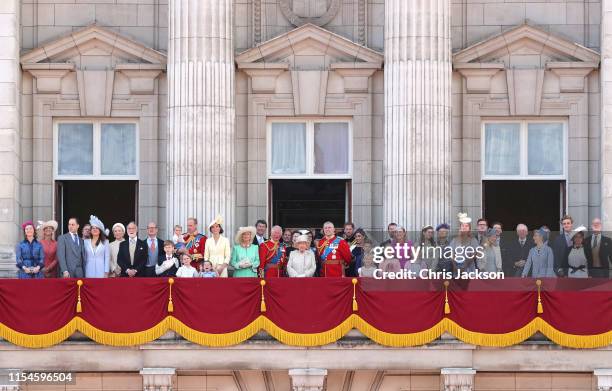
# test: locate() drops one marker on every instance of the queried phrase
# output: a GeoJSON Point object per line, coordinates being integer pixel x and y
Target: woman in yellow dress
{"type": "Point", "coordinates": [217, 250]}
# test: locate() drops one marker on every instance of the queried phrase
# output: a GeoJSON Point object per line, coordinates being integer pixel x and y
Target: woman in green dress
{"type": "Point", "coordinates": [245, 254]}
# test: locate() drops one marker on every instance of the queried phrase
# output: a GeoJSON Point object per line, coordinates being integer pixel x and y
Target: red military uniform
{"type": "Point", "coordinates": [334, 254]}
{"type": "Point", "coordinates": [272, 258]}
{"type": "Point", "coordinates": [195, 244]}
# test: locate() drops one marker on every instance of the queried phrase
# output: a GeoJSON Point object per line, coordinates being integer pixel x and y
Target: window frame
{"type": "Point", "coordinates": [97, 148]}
{"type": "Point", "coordinates": [524, 149]}
{"type": "Point", "coordinates": [310, 153]}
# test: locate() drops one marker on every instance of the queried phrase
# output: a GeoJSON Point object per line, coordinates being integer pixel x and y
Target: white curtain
{"type": "Point", "coordinates": [545, 145]}
{"type": "Point", "coordinates": [75, 149]}
{"type": "Point", "coordinates": [118, 149]}
{"type": "Point", "coordinates": [331, 143]}
{"type": "Point", "coordinates": [288, 148]}
{"type": "Point", "coordinates": [502, 149]}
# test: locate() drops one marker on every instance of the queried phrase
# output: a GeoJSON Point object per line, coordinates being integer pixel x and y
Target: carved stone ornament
{"type": "Point", "coordinates": [298, 20]}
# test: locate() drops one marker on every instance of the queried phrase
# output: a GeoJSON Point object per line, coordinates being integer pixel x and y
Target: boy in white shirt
{"type": "Point", "coordinates": [186, 270]}
{"type": "Point", "coordinates": [168, 263]}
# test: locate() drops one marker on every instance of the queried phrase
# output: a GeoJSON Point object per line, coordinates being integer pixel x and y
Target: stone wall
{"type": "Point", "coordinates": [145, 21]}
{"type": "Point", "coordinates": [575, 20]}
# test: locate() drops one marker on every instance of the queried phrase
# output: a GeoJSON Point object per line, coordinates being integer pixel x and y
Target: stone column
{"type": "Point", "coordinates": [418, 64]}
{"type": "Point", "coordinates": [201, 113]}
{"type": "Point", "coordinates": [604, 379]}
{"type": "Point", "coordinates": [157, 379]}
{"type": "Point", "coordinates": [606, 114]}
{"type": "Point", "coordinates": [310, 379]}
{"type": "Point", "coordinates": [10, 134]}
{"type": "Point", "coordinates": [457, 379]}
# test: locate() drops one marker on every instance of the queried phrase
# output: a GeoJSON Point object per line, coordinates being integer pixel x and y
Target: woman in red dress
{"type": "Point", "coordinates": [47, 234]}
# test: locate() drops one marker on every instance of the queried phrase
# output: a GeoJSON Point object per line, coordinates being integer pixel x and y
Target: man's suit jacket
{"type": "Point", "coordinates": [140, 257]}
{"type": "Point", "coordinates": [160, 247]}
{"type": "Point", "coordinates": [255, 242]}
{"type": "Point", "coordinates": [560, 251]}
{"type": "Point", "coordinates": [605, 251]}
{"type": "Point", "coordinates": [70, 255]}
{"type": "Point", "coordinates": [512, 251]}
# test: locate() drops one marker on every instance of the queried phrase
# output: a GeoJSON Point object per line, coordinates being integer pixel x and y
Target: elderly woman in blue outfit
{"type": "Point", "coordinates": [29, 254]}
{"type": "Point", "coordinates": [97, 250]}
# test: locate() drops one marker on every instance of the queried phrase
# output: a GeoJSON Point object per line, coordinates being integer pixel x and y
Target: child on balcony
{"type": "Point", "coordinates": [186, 270]}
{"type": "Point", "coordinates": [207, 270]}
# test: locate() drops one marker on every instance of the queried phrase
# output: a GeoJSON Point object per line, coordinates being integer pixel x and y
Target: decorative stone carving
{"type": "Point", "coordinates": [478, 76]}
{"type": "Point", "coordinates": [457, 379]}
{"type": "Point", "coordinates": [572, 75]}
{"type": "Point", "coordinates": [311, 379]}
{"type": "Point", "coordinates": [157, 379]}
{"type": "Point", "coordinates": [298, 20]}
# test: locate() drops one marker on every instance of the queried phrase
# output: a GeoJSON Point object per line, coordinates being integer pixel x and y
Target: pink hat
{"type": "Point", "coordinates": [26, 223]}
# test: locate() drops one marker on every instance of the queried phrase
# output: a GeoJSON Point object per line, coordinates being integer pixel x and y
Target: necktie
{"type": "Point", "coordinates": [153, 245]}
{"type": "Point", "coordinates": [74, 239]}
{"type": "Point", "coordinates": [522, 242]}
{"type": "Point", "coordinates": [595, 237]}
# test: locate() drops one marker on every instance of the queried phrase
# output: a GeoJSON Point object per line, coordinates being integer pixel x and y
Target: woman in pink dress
{"type": "Point", "coordinates": [47, 234]}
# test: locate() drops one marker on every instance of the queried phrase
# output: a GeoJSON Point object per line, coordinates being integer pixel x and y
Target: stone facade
{"type": "Point", "coordinates": [300, 59]}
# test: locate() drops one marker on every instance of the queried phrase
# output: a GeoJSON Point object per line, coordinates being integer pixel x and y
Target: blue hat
{"type": "Point", "coordinates": [442, 226]}
{"type": "Point", "coordinates": [491, 232]}
{"type": "Point", "coordinates": [543, 233]}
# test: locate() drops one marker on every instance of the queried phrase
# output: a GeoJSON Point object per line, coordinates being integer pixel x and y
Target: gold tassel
{"type": "Point", "coordinates": [262, 307]}
{"type": "Point", "coordinates": [446, 305]}
{"type": "Point", "coordinates": [79, 308]}
{"type": "Point", "coordinates": [355, 307]}
{"type": "Point", "coordinates": [540, 307]}
{"type": "Point", "coordinates": [170, 304]}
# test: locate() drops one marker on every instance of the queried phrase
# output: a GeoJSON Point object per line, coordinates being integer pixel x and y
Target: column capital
{"type": "Point", "coordinates": [457, 379]}
{"type": "Point", "coordinates": [157, 379]}
{"type": "Point", "coordinates": [604, 379]}
{"type": "Point", "coordinates": [308, 379]}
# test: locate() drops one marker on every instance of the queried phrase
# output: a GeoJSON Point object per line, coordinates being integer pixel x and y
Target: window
{"type": "Point", "coordinates": [104, 149]}
{"type": "Point", "coordinates": [524, 149]}
{"type": "Point", "coordinates": [309, 148]}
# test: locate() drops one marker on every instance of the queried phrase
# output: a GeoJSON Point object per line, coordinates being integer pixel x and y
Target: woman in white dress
{"type": "Point", "coordinates": [217, 249]}
{"type": "Point", "coordinates": [302, 261]}
{"type": "Point", "coordinates": [97, 250]}
{"type": "Point", "coordinates": [119, 234]}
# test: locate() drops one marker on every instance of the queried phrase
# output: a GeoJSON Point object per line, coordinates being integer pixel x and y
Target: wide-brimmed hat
{"type": "Point", "coordinates": [243, 230]}
{"type": "Point", "coordinates": [41, 225]}
{"type": "Point", "coordinates": [96, 222]}
{"type": "Point", "coordinates": [302, 239]}
{"type": "Point", "coordinates": [218, 220]}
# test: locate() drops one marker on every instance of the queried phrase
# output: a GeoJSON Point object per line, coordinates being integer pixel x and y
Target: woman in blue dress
{"type": "Point", "coordinates": [29, 254]}
{"type": "Point", "coordinates": [97, 250]}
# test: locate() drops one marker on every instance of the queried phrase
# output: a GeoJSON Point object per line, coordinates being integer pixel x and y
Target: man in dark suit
{"type": "Point", "coordinates": [155, 249]}
{"type": "Point", "coordinates": [260, 231]}
{"type": "Point", "coordinates": [562, 245]}
{"type": "Point", "coordinates": [515, 251]}
{"type": "Point", "coordinates": [598, 251]}
{"type": "Point", "coordinates": [132, 256]}
{"type": "Point", "coordinates": [71, 251]}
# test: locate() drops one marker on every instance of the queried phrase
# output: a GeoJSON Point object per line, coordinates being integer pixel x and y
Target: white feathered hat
{"type": "Point", "coordinates": [96, 222]}
{"type": "Point", "coordinates": [463, 218]}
